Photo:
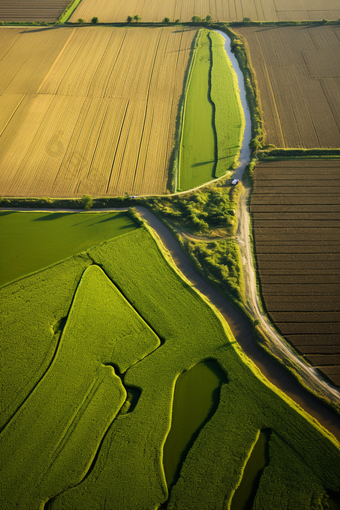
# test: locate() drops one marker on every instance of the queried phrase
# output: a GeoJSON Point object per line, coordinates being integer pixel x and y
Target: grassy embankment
{"type": "Point", "coordinates": [69, 11]}
{"type": "Point", "coordinates": [229, 116]}
{"type": "Point", "coordinates": [213, 121]}
{"type": "Point", "coordinates": [197, 149]}
{"type": "Point", "coordinates": [58, 236]}
{"type": "Point", "coordinates": [128, 471]}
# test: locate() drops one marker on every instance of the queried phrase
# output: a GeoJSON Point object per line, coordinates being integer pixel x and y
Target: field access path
{"type": "Point", "coordinates": [271, 369]}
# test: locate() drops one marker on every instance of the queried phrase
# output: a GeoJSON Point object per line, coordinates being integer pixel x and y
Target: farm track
{"type": "Point", "coordinates": [297, 69]}
{"type": "Point", "coordinates": [298, 257]}
{"type": "Point", "coordinates": [241, 329]}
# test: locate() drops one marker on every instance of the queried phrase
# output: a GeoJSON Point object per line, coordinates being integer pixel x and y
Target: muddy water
{"type": "Point", "coordinates": [196, 398]}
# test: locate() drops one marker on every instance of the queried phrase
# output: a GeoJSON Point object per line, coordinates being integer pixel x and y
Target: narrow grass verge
{"type": "Point", "coordinates": [228, 112]}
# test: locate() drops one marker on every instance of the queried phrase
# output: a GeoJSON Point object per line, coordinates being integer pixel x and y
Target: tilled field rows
{"type": "Point", "coordinates": [297, 241]}
{"type": "Point", "coordinates": [233, 10]}
{"type": "Point", "coordinates": [38, 10]}
{"type": "Point", "coordinates": [98, 114]}
{"type": "Point", "coordinates": [298, 73]}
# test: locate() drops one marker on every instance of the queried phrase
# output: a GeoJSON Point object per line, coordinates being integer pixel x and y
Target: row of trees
{"type": "Point", "coordinates": [137, 18]}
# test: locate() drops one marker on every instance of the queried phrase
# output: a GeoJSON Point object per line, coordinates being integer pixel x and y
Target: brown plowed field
{"type": "Point", "coordinates": [298, 256]}
{"type": "Point", "coordinates": [257, 10]}
{"type": "Point", "coordinates": [38, 10]}
{"type": "Point", "coordinates": [298, 74]}
{"type": "Point", "coordinates": [89, 110]}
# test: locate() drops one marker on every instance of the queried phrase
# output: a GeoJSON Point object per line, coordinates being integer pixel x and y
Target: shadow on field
{"type": "Point", "coordinates": [52, 216]}
{"type": "Point", "coordinates": [42, 29]}
{"type": "Point", "coordinates": [5, 213]}
{"type": "Point", "coordinates": [202, 163]}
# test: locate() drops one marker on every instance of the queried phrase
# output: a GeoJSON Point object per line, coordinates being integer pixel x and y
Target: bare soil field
{"type": "Point", "coordinates": [38, 10]}
{"type": "Point", "coordinates": [89, 110]}
{"type": "Point", "coordinates": [298, 255]}
{"type": "Point", "coordinates": [235, 10]}
{"type": "Point", "coordinates": [298, 74]}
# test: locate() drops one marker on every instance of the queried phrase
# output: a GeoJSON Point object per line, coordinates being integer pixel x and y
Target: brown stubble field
{"type": "Point", "coordinates": [298, 73]}
{"type": "Point", "coordinates": [89, 110]}
{"type": "Point", "coordinates": [25, 10]}
{"type": "Point", "coordinates": [295, 207]}
{"type": "Point", "coordinates": [109, 11]}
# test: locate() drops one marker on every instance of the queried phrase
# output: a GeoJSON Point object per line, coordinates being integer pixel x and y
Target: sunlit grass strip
{"type": "Point", "coordinates": [197, 151]}
{"type": "Point", "coordinates": [51, 441]}
{"type": "Point", "coordinates": [229, 116]}
{"type": "Point", "coordinates": [69, 11]}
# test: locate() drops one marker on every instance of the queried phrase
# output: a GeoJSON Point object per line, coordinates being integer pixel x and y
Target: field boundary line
{"type": "Point", "coordinates": [13, 113]}
{"type": "Point", "coordinates": [56, 60]}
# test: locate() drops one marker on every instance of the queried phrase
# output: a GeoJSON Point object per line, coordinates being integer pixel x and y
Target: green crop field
{"type": "Point", "coordinates": [125, 308]}
{"type": "Point", "coordinates": [73, 395]}
{"type": "Point", "coordinates": [33, 240]}
{"type": "Point", "coordinates": [213, 119]}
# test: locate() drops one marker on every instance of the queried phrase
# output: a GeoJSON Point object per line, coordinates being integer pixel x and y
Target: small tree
{"type": "Point", "coordinates": [166, 20]}
{"type": "Point", "coordinates": [208, 18]}
{"type": "Point", "coordinates": [81, 21]}
{"type": "Point", "coordinates": [129, 19]}
{"type": "Point", "coordinates": [246, 21]}
{"type": "Point", "coordinates": [196, 19]}
{"type": "Point", "coordinates": [94, 20]}
{"type": "Point", "coordinates": [137, 18]}
{"type": "Point", "coordinates": [87, 201]}
{"type": "Point", "coordinates": [176, 21]}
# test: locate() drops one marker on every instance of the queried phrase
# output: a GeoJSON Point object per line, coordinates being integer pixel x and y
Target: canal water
{"type": "Point", "coordinates": [245, 151]}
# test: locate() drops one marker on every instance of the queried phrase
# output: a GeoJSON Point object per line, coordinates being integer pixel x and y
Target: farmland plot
{"type": "Point", "coordinates": [298, 73]}
{"type": "Point", "coordinates": [97, 115]}
{"type": "Point", "coordinates": [38, 10]}
{"type": "Point", "coordinates": [257, 10]}
{"type": "Point", "coordinates": [296, 210]}
{"type": "Point", "coordinates": [168, 330]}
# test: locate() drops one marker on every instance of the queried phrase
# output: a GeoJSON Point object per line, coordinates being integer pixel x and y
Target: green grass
{"type": "Point", "coordinates": [32, 240]}
{"type": "Point", "coordinates": [33, 312]}
{"type": "Point", "coordinates": [128, 472]}
{"type": "Point", "coordinates": [208, 211]}
{"type": "Point", "coordinates": [197, 151]}
{"type": "Point", "coordinates": [69, 11]}
{"type": "Point", "coordinates": [220, 263]}
{"type": "Point", "coordinates": [77, 398]}
{"type": "Point", "coordinates": [229, 115]}
{"type": "Point", "coordinates": [213, 121]}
